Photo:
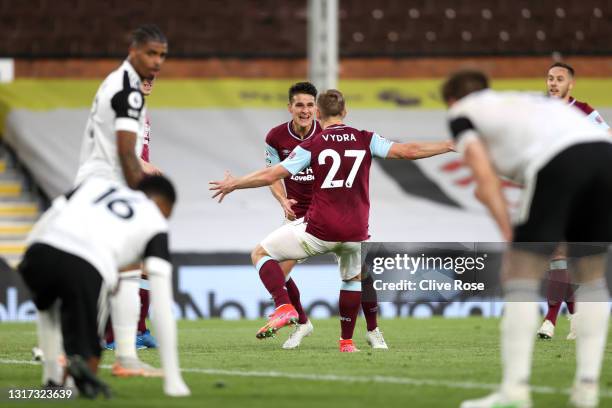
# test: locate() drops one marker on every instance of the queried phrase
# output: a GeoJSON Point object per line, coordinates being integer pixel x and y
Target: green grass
{"type": "Point", "coordinates": [457, 350]}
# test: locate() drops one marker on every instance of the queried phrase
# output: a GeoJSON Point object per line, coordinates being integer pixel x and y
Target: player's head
{"type": "Point", "coordinates": [161, 191]}
{"type": "Point", "coordinates": [147, 86]}
{"type": "Point", "coordinates": [302, 103]}
{"type": "Point", "coordinates": [148, 50]}
{"type": "Point", "coordinates": [330, 104]}
{"type": "Point", "coordinates": [560, 80]}
{"type": "Point", "coordinates": [463, 83]}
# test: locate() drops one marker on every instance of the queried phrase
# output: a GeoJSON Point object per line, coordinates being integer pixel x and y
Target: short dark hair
{"type": "Point", "coordinates": [331, 103]}
{"type": "Point", "coordinates": [462, 83]}
{"type": "Point", "coordinates": [559, 64]}
{"type": "Point", "coordinates": [302, 88]}
{"type": "Point", "coordinates": [147, 33]}
{"type": "Point", "coordinates": [158, 185]}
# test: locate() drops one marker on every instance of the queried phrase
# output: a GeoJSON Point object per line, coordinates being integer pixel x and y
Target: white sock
{"type": "Point", "coordinates": [125, 312]}
{"type": "Point", "coordinates": [160, 281]}
{"type": "Point", "coordinates": [593, 314]}
{"type": "Point", "coordinates": [50, 342]}
{"type": "Point", "coordinates": [519, 324]}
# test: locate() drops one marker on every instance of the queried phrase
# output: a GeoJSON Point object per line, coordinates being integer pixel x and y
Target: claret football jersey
{"type": "Point", "coordinates": [280, 142]}
{"type": "Point", "coordinates": [340, 157]}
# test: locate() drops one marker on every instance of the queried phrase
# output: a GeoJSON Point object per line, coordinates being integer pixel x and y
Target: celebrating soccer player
{"type": "Point", "coordinates": [294, 194]}
{"type": "Point", "coordinates": [337, 220]}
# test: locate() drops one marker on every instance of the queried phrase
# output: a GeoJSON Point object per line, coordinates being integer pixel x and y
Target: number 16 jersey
{"type": "Point", "coordinates": [340, 157]}
{"type": "Point", "coordinates": [106, 224]}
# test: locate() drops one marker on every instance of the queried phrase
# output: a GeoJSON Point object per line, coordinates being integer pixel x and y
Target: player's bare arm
{"type": "Point", "coordinates": [278, 191]}
{"type": "Point", "coordinates": [419, 150]}
{"type": "Point", "coordinates": [260, 178]}
{"type": "Point", "coordinates": [488, 186]}
{"type": "Point", "coordinates": [130, 163]}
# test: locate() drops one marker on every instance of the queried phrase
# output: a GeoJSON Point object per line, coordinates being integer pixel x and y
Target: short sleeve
{"type": "Point", "coordinates": [379, 146]}
{"type": "Point", "coordinates": [297, 161]}
{"type": "Point", "coordinates": [158, 247]}
{"type": "Point", "coordinates": [596, 118]}
{"type": "Point", "coordinates": [127, 104]}
{"type": "Point", "coordinates": [272, 156]}
{"type": "Point", "coordinates": [463, 132]}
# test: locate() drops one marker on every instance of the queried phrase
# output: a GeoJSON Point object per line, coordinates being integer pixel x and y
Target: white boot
{"type": "Point", "coordinates": [547, 330]}
{"type": "Point", "coordinates": [376, 340]}
{"type": "Point", "coordinates": [295, 338]}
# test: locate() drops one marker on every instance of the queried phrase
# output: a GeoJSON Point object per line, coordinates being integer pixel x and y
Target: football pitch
{"type": "Point", "coordinates": [431, 363]}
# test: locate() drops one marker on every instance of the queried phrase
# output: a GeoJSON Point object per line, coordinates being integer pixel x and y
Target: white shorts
{"type": "Point", "coordinates": [291, 241]}
{"type": "Point", "coordinates": [288, 221]}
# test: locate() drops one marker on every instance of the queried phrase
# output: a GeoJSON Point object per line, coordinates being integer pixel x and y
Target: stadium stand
{"type": "Point", "coordinates": [19, 207]}
{"type": "Point", "coordinates": [375, 28]}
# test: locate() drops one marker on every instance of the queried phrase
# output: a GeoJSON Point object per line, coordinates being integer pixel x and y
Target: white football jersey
{"type": "Point", "coordinates": [521, 131]}
{"type": "Point", "coordinates": [106, 224]}
{"type": "Point", "coordinates": [118, 105]}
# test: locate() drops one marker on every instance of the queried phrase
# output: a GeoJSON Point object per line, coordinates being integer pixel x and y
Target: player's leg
{"type": "Point", "coordinates": [282, 244]}
{"type": "Point", "coordinates": [349, 262]}
{"type": "Point", "coordinates": [293, 291]}
{"type": "Point", "coordinates": [38, 270]}
{"type": "Point", "coordinates": [50, 342]}
{"type": "Point", "coordinates": [304, 327]}
{"type": "Point", "coordinates": [145, 338]}
{"type": "Point", "coordinates": [84, 313]}
{"type": "Point", "coordinates": [591, 221]}
{"type": "Point", "coordinates": [570, 302]}
{"type": "Point", "coordinates": [369, 305]}
{"type": "Point", "coordinates": [544, 216]}
{"type": "Point", "coordinates": [160, 279]}
{"type": "Point", "coordinates": [592, 302]}
{"type": "Point", "coordinates": [125, 311]}
{"type": "Point", "coordinates": [556, 289]}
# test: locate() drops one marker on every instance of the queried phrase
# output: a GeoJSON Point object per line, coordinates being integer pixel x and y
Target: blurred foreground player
{"type": "Point", "coordinates": [71, 264]}
{"type": "Point", "coordinates": [337, 219]}
{"type": "Point", "coordinates": [294, 194]}
{"type": "Point", "coordinates": [511, 134]}
{"type": "Point", "coordinates": [112, 145]}
{"type": "Point", "coordinates": [560, 82]}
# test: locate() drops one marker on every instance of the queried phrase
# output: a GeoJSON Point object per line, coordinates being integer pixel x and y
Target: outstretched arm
{"type": "Point", "coordinates": [260, 178]}
{"type": "Point", "coordinates": [488, 186]}
{"type": "Point", "coordinates": [419, 150]}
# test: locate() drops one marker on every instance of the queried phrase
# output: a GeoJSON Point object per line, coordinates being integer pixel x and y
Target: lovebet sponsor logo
{"type": "Point", "coordinates": [431, 271]}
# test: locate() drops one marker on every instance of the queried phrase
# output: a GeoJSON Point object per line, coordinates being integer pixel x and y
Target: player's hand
{"type": "Point", "coordinates": [451, 146]}
{"type": "Point", "coordinates": [149, 169]}
{"type": "Point", "coordinates": [287, 204]}
{"type": "Point", "coordinates": [223, 187]}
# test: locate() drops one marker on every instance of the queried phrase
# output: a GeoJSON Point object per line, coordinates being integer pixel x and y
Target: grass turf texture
{"type": "Point", "coordinates": [455, 350]}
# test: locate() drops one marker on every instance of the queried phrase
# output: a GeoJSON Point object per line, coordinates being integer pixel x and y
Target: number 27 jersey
{"type": "Point", "coordinates": [340, 157]}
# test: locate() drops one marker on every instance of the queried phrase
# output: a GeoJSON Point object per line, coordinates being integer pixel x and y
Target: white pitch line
{"type": "Point", "coordinates": [604, 393]}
